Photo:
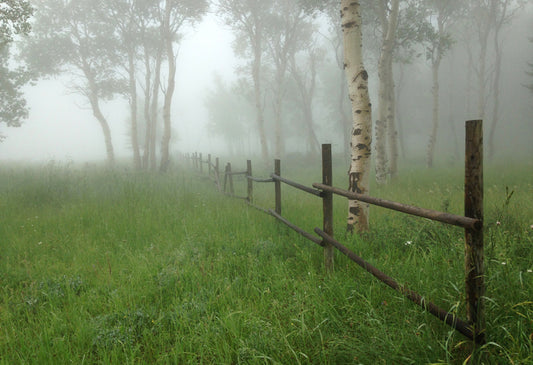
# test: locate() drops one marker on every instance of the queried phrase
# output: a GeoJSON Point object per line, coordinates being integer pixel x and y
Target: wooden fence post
{"type": "Point", "coordinates": [250, 182]}
{"type": "Point", "coordinates": [230, 178]}
{"type": "Point", "coordinates": [327, 205]}
{"type": "Point", "coordinates": [277, 186]}
{"type": "Point", "coordinates": [225, 177]}
{"type": "Point", "coordinates": [217, 173]}
{"type": "Point", "coordinates": [201, 164]}
{"type": "Point", "coordinates": [474, 271]}
{"type": "Point", "coordinates": [209, 165]}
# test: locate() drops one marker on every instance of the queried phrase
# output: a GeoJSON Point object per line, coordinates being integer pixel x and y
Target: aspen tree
{"type": "Point", "coordinates": [361, 136]}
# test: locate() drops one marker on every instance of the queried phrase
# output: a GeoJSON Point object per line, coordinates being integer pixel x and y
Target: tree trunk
{"type": "Point", "coordinates": [496, 86]}
{"type": "Point", "coordinates": [381, 122]}
{"type": "Point", "coordinates": [133, 111]}
{"type": "Point", "coordinates": [171, 84]}
{"type": "Point", "coordinates": [397, 103]}
{"type": "Point", "coordinates": [481, 75]}
{"type": "Point", "coordinates": [386, 83]}
{"type": "Point", "coordinates": [147, 114]}
{"type": "Point", "coordinates": [392, 132]}
{"type": "Point", "coordinates": [278, 102]}
{"type": "Point", "coordinates": [154, 109]}
{"type": "Point", "coordinates": [314, 145]}
{"type": "Point", "coordinates": [435, 119]}
{"type": "Point", "coordinates": [256, 76]}
{"type": "Point", "coordinates": [95, 105]}
{"type": "Point", "coordinates": [97, 112]}
{"type": "Point", "coordinates": [307, 94]}
{"type": "Point", "coordinates": [361, 138]}
{"type": "Point", "coordinates": [344, 119]}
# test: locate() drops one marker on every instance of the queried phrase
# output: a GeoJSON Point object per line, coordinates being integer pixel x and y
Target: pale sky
{"type": "Point", "coordinates": [61, 125]}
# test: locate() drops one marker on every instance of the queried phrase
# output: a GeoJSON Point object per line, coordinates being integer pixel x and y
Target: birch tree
{"type": "Point", "coordinates": [72, 38]}
{"type": "Point", "coordinates": [442, 14]}
{"type": "Point", "coordinates": [335, 39]}
{"type": "Point", "coordinates": [176, 14]}
{"type": "Point", "coordinates": [504, 13]}
{"type": "Point", "coordinates": [487, 19]}
{"type": "Point", "coordinates": [288, 32]}
{"type": "Point", "coordinates": [125, 14]}
{"type": "Point", "coordinates": [385, 130]}
{"type": "Point", "coordinates": [304, 74]}
{"type": "Point", "coordinates": [361, 139]}
{"type": "Point", "coordinates": [249, 20]}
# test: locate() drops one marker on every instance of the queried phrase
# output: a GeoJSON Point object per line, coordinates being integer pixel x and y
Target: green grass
{"type": "Point", "coordinates": [124, 267]}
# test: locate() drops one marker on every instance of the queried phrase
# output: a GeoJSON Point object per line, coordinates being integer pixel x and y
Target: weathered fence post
{"type": "Point", "coordinates": [230, 178]}
{"type": "Point", "coordinates": [250, 194]}
{"type": "Point", "coordinates": [209, 165]}
{"type": "Point", "coordinates": [277, 186]}
{"type": "Point", "coordinates": [327, 205]}
{"type": "Point", "coordinates": [201, 164]}
{"type": "Point", "coordinates": [474, 272]}
{"type": "Point", "coordinates": [217, 173]}
{"type": "Point", "coordinates": [226, 170]}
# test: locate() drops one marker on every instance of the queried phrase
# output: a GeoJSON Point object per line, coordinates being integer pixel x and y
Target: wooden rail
{"type": "Point", "coordinates": [447, 317]}
{"type": "Point", "coordinates": [472, 222]}
{"type": "Point", "coordinates": [457, 220]}
{"type": "Point", "coordinates": [297, 185]}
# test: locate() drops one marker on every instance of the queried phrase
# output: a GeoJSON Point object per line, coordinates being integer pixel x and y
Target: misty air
{"type": "Point", "coordinates": [282, 181]}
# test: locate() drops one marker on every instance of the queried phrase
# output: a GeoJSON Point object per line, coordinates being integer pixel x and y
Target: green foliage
{"type": "Point", "coordinates": [123, 267]}
{"type": "Point", "coordinates": [14, 19]}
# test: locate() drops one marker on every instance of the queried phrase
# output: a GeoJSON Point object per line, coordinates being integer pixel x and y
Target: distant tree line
{"type": "Point", "coordinates": [290, 83]}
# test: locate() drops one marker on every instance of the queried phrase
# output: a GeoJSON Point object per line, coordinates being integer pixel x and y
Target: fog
{"type": "Point", "coordinates": [61, 125]}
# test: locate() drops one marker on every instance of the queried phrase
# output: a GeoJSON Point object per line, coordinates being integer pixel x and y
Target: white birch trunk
{"type": "Point", "coordinates": [435, 118]}
{"type": "Point", "coordinates": [361, 138]}
{"type": "Point", "coordinates": [385, 118]}
{"type": "Point", "coordinates": [133, 111]}
{"type": "Point", "coordinates": [92, 95]}
{"type": "Point", "coordinates": [392, 132]}
{"type": "Point", "coordinates": [256, 76]}
{"type": "Point", "coordinates": [171, 82]}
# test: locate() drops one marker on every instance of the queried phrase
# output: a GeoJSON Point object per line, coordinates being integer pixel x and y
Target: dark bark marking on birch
{"type": "Point", "coordinates": [357, 132]}
{"type": "Point", "coordinates": [349, 25]}
{"type": "Point", "coordinates": [354, 178]}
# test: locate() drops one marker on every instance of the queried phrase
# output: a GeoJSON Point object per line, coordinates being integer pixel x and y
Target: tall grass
{"type": "Point", "coordinates": [104, 266]}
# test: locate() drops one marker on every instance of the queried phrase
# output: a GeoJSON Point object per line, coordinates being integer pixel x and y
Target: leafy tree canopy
{"type": "Point", "coordinates": [14, 19]}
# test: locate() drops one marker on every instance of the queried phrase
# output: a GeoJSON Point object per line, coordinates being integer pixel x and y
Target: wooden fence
{"type": "Point", "coordinates": [472, 222]}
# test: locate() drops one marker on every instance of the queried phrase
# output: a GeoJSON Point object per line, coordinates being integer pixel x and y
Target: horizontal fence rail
{"type": "Point", "coordinates": [297, 185]}
{"type": "Point", "coordinates": [307, 235]}
{"type": "Point", "coordinates": [447, 317]}
{"type": "Point", "coordinates": [472, 223]}
{"type": "Point", "coordinates": [456, 220]}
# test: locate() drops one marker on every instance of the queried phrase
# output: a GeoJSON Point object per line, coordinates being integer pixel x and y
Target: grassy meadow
{"type": "Point", "coordinates": [121, 267]}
